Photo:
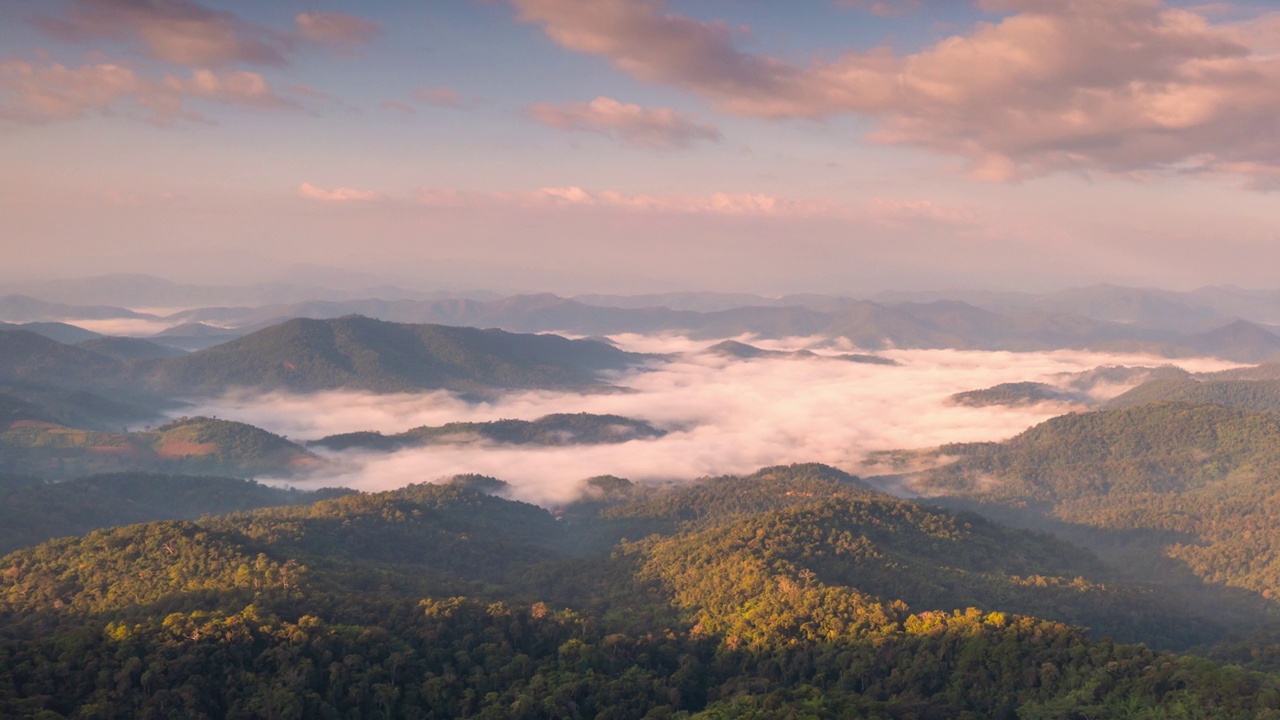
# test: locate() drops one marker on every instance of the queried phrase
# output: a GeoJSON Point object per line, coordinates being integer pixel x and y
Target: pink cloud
{"type": "Point", "coordinates": [439, 96]}
{"type": "Point", "coordinates": [41, 94]}
{"type": "Point", "coordinates": [1104, 86]}
{"type": "Point", "coordinates": [632, 124]}
{"type": "Point", "coordinates": [337, 29]}
{"type": "Point", "coordinates": [176, 31]}
{"type": "Point", "coordinates": [342, 194]}
{"type": "Point", "coordinates": [397, 107]}
{"type": "Point", "coordinates": [576, 197]}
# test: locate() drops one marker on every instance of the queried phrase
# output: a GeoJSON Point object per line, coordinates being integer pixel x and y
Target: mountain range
{"type": "Point", "coordinates": [1225, 322]}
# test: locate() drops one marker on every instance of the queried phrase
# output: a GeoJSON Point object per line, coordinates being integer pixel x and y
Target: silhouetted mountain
{"type": "Point", "coordinates": [21, 308]}
{"type": "Point", "coordinates": [126, 348]}
{"type": "Point", "coordinates": [1239, 340]}
{"type": "Point", "coordinates": [36, 510]}
{"type": "Point", "coordinates": [551, 430]}
{"type": "Point", "coordinates": [196, 336]}
{"type": "Point", "coordinates": [1015, 394]}
{"type": "Point", "coordinates": [743, 351]}
{"type": "Point", "coordinates": [26, 357]}
{"type": "Point", "coordinates": [62, 332]}
{"type": "Point", "coordinates": [364, 354]}
{"type": "Point", "coordinates": [83, 409]}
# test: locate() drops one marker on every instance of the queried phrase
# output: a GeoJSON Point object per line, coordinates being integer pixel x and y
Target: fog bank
{"type": "Point", "coordinates": [725, 415]}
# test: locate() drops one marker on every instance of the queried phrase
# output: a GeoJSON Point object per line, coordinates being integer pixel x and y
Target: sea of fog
{"type": "Point", "coordinates": [724, 415]}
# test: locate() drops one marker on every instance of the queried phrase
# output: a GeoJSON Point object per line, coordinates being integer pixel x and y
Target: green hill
{"type": "Point", "coordinates": [189, 445]}
{"type": "Point", "coordinates": [1260, 395]}
{"type": "Point", "coordinates": [363, 354]}
{"type": "Point", "coordinates": [35, 510]}
{"type": "Point", "coordinates": [553, 430]}
{"type": "Point", "coordinates": [829, 606]}
{"type": "Point", "coordinates": [26, 357]}
{"type": "Point", "coordinates": [1016, 394]}
{"type": "Point", "coordinates": [1175, 493]}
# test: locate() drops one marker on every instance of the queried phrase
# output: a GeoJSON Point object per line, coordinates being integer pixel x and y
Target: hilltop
{"type": "Point", "coordinates": [187, 445]}
{"type": "Point", "coordinates": [838, 601]}
{"type": "Point", "coordinates": [557, 429]}
{"type": "Point", "coordinates": [363, 354]}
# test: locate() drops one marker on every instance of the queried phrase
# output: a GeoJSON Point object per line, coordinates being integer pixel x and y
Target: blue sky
{"type": "Point", "coordinates": [634, 145]}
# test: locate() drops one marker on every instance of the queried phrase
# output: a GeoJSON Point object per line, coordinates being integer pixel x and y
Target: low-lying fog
{"type": "Point", "coordinates": [725, 416]}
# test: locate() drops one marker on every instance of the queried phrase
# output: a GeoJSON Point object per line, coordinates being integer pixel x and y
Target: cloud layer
{"type": "Point", "coordinates": [725, 416]}
{"type": "Point", "coordinates": [1109, 86]}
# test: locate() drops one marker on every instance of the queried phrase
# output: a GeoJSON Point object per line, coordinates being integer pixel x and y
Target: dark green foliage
{"type": "Point", "coordinates": [556, 429]}
{"type": "Point", "coordinates": [26, 357]}
{"type": "Point", "coordinates": [1176, 493]}
{"type": "Point", "coordinates": [349, 608]}
{"type": "Point", "coordinates": [82, 409]}
{"type": "Point", "coordinates": [1261, 395]}
{"type": "Point", "coordinates": [34, 510]}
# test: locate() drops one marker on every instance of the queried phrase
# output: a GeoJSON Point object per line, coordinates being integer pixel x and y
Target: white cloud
{"type": "Point", "coordinates": [341, 194]}
{"type": "Point", "coordinates": [725, 416]}
{"type": "Point", "coordinates": [1105, 86]}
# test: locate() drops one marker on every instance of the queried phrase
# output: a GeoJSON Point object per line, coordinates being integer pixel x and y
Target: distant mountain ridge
{"type": "Point", "coordinates": [867, 325]}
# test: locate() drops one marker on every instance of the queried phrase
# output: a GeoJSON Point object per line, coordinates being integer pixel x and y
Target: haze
{"type": "Point", "coordinates": [840, 147]}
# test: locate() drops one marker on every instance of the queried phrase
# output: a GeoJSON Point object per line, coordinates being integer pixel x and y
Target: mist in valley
{"type": "Point", "coordinates": [723, 415]}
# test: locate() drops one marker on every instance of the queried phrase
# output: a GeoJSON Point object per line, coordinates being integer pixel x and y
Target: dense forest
{"type": "Point", "coordinates": [1172, 492]}
{"type": "Point", "coordinates": [198, 445]}
{"type": "Point", "coordinates": [794, 592]}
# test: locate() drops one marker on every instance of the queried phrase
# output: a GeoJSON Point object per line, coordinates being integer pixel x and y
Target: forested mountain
{"type": "Point", "coordinates": [831, 601]}
{"type": "Point", "coordinates": [364, 354]}
{"type": "Point", "coordinates": [26, 357]}
{"type": "Point", "coordinates": [306, 355]}
{"type": "Point", "coordinates": [35, 510]}
{"type": "Point", "coordinates": [551, 430]}
{"type": "Point", "coordinates": [62, 332]}
{"type": "Point", "coordinates": [1174, 492]}
{"type": "Point", "coordinates": [22, 308]}
{"type": "Point", "coordinates": [29, 444]}
{"type": "Point", "coordinates": [1014, 394]}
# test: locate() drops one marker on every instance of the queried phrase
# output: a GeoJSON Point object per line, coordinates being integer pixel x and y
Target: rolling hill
{"type": "Point", "coordinates": [1172, 492]}
{"type": "Point", "coordinates": [838, 602]}
{"type": "Point", "coordinates": [188, 445]}
{"type": "Point", "coordinates": [558, 429]}
{"type": "Point", "coordinates": [363, 354]}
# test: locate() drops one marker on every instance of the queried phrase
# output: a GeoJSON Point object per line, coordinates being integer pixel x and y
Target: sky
{"type": "Point", "coordinates": [841, 146]}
